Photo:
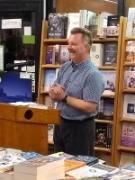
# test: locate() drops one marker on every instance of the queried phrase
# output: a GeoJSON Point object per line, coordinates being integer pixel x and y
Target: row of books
{"type": "Point", "coordinates": [100, 54]}
{"type": "Point", "coordinates": [103, 24]}
{"type": "Point", "coordinates": [104, 54]}
{"type": "Point", "coordinates": [56, 54]}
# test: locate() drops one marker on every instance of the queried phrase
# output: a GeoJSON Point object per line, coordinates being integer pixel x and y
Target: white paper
{"type": "Point", "coordinates": [24, 75]}
{"type": "Point", "coordinates": [11, 23]}
{"type": "Point", "coordinates": [27, 30]}
{"type": "Point", "coordinates": [1, 58]}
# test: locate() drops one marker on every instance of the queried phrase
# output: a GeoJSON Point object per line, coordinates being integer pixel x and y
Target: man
{"type": "Point", "coordinates": [77, 90]}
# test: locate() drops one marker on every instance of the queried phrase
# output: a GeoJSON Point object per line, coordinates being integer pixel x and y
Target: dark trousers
{"type": "Point", "coordinates": [75, 137]}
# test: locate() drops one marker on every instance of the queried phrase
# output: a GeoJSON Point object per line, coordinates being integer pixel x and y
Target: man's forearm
{"type": "Point", "coordinates": [81, 104]}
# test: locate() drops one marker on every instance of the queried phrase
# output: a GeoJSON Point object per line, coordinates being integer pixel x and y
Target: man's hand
{"type": "Point", "coordinates": [57, 92]}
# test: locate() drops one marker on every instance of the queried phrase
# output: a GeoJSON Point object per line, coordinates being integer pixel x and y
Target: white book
{"type": "Point", "coordinates": [129, 106]}
{"type": "Point", "coordinates": [109, 78]}
{"type": "Point", "coordinates": [96, 54]}
{"type": "Point", "coordinates": [40, 168]}
{"type": "Point", "coordinates": [130, 31]}
{"type": "Point", "coordinates": [86, 172]}
{"type": "Point", "coordinates": [73, 21]}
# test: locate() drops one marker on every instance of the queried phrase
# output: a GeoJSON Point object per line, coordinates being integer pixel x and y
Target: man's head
{"type": "Point", "coordinates": [79, 44]}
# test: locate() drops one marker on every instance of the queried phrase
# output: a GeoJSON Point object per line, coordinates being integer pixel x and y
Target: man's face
{"type": "Point", "coordinates": [77, 46]}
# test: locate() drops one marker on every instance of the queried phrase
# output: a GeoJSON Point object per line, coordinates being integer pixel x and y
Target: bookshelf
{"type": "Point", "coordinates": [125, 118]}
{"type": "Point", "coordinates": [101, 152]}
{"type": "Point", "coordinates": [43, 67]}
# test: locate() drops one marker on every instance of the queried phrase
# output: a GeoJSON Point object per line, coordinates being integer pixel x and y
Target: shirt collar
{"type": "Point", "coordinates": [80, 65]}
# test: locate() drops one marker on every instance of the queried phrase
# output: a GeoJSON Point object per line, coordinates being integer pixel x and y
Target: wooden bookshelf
{"type": "Point", "coordinates": [127, 149]}
{"type": "Point", "coordinates": [104, 121]}
{"type": "Point", "coordinates": [101, 149]}
{"type": "Point", "coordinates": [122, 92]}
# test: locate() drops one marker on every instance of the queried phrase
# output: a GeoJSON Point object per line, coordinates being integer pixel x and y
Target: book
{"type": "Point", "coordinates": [73, 21]}
{"type": "Point", "coordinates": [63, 54]}
{"type": "Point", "coordinates": [71, 164]}
{"type": "Point", "coordinates": [56, 25]}
{"type": "Point", "coordinates": [130, 51]}
{"type": "Point", "coordinates": [101, 135]}
{"type": "Point", "coordinates": [129, 106]}
{"type": "Point", "coordinates": [129, 79]}
{"type": "Point", "coordinates": [128, 134]}
{"type": "Point", "coordinates": [49, 78]}
{"type": "Point", "coordinates": [86, 172]}
{"type": "Point", "coordinates": [112, 26]}
{"type": "Point", "coordinates": [109, 81]}
{"type": "Point", "coordinates": [89, 160]}
{"type": "Point", "coordinates": [40, 168]}
{"type": "Point", "coordinates": [9, 175]}
{"type": "Point", "coordinates": [50, 55]}
{"type": "Point", "coordinates": [110, 53]}
{"type": "Point", "coordinates": [96, 54]}
{"type": "Point", "coordinates": [106, 109]}
{"type": "Point", "coordinates": [130, 31]}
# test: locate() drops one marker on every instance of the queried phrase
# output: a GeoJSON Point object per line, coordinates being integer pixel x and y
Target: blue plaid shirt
{"type": "Point", "coordinates": [83, 81]}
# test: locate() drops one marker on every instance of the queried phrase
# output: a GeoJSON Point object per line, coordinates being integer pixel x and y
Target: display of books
{"type": "Point", "coordinates": [109, 81]}
{"type": "Point", "coordinates": [128, 134]}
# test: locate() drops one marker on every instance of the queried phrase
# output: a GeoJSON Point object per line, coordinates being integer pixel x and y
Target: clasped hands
{"type": "Point", "coordinates": [57, 92]}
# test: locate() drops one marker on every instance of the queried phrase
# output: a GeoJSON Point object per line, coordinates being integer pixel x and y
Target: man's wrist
{"type": "Point", "coordinates": [65, 98]}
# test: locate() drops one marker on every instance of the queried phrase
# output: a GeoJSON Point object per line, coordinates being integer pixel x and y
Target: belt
{"type": "Point", "coordinates": [77, 121]}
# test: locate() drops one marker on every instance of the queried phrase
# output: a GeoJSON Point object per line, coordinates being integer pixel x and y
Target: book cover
{"type": "Point", "coordinates": [86, 172]}
{"type": "Point", "coordinates": [55, 25]}
{"type": "Point", "coordinates": [101, 135]}
{"type": "Point", "coordinates": [130, 51]}
{"type": "Point", "coordinates": [130, 31]}
{"type": "Point", "coordinates": [64, 54]}
{"type": "Point", "coordinates": [50, 55]}
{"type": "Point", "coordinates": [49, 78]}
{"type": "Point", "coordinates": [129, 79]}
{"type": "Point", "coordinates": [73, 21]}
{"type": "Point", "coordinates": [128, 134]}
{"type": "Point", "coordinates": [110, 53]}
{"type": "Point", "coordinates": [109, 78]}
{"type": "Point", "coordinates": [71, 164]}
{"type": "Point", "coordinates": [113, 26]}
{"type": "Point", "coordinates": [106, 109]}
{"type": "Point", "coordinates": [96, 54]}
{"type": "Point", "coordinates": [129, 106]}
